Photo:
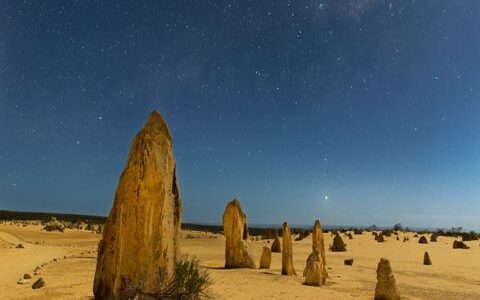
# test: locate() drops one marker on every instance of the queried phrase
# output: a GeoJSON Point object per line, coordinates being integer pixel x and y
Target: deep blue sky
{"type": "Point", "coordinates": [374, 104]}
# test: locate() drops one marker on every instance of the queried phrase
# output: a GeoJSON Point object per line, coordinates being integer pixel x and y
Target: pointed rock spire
{"type": "Point", "coordinates": [318, 246]}
{"type": "Point", "coordinates": [338, 244]}
{"type": "Point", "coordinates": [276, 246]}
{"type": "Point", "coordinates": [237, 254]}
{"type": "Point", "coordinates": [139, 247]}
{"type": "Point", "coordinates": [426, 259]}
{"type": "Point", "coordinates": [317, 239]}
{"type": "Point", "coordinates": [386, 288]}
{"type": "Point", "coordinates": [287, 253]}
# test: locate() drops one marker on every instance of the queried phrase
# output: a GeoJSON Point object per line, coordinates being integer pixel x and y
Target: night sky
{"type": "Point", "coordinates": [355, 112]}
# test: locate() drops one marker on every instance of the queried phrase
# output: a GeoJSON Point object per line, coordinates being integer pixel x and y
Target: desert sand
{"type": "Point", "coordinates": [454, 274]}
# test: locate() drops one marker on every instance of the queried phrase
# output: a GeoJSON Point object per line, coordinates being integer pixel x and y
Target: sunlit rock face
{"type": "Point", "coordinates": [386, 288]}
{"type": "Point", "coordinates": [287, 252]}
{"type": "Point", "coordinates": [316, 257]}
{"type": "Point", "coordinates": [314, 273]}
{"type": "Point", "coordinates": [136, 256]}
{"type": "Point", "coordinates": [236, 235]}
{"type": "Point", "coordinates": [318, 241]}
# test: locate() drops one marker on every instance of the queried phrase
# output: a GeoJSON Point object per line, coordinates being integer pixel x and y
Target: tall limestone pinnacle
{"type": "Point", "coordinates": [137, 254]}
{"type": "Point", "coordinates": [316, 269]}
{"type": "Point", "coordinates": [287, 253]}
{"type": "Point", "coordinates": [317, 240]}
{"type": "Point", "coordinates": [235, 228]}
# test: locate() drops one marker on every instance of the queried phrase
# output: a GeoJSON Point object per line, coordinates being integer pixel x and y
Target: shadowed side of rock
{"type": "Point", "coordinates": [276, 245]}
{"type": "Point", "coordinates": [426, 259]}
{"type": "Point", "coordinates": [422, 240]}
{"type": "Point", "coordinates": [266, 258]}
{"type": "Point", "coordinates": [338, 244]}
{"type": "Point", "coordinates": [137, 254]}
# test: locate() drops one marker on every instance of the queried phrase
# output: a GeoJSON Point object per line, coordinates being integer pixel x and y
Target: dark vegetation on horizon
{"type": "Point", "coordinates": [8, 215]}
{"type": "Point", "coordinates": [267, 232]}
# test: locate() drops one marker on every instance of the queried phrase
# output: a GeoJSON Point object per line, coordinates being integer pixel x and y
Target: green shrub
{"type": "Point", "coordinates": [190, 283]}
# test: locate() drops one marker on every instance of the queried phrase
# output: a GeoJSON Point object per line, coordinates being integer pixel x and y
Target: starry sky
{"type": "Point", "coordinates": [355, 112]}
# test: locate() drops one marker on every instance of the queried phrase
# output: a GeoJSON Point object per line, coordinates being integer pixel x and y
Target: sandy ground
{"type": "Point", "coordinates": [455, 273]}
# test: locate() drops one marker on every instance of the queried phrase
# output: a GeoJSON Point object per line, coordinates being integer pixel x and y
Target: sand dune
{"type": "Point", "coordinates": [453, 275]}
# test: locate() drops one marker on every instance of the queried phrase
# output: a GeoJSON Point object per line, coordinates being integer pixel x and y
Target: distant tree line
{"type": "Point", "coordinates": [265, 233]}
{"type": "Point", "coordinates": [7, 215]}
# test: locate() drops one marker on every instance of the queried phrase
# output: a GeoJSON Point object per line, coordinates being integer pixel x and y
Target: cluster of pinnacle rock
{"type": "Point", "coordinates": [237, 254]}
{"type": "Point", "coordinates": [137, 254]}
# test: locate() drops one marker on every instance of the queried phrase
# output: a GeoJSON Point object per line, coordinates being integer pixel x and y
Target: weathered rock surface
{"type": "Point", "coordinates": [386, 288]}
{"type": "Point", "coordinates": [318, 241]}
{"type": "Point", "coordinates": [433, 237]}
{"type": "Point", "coordinates": [380, 238]}
{"type": "Point", "coordinates": [137, 254]}
{"type": "Point", "coordinates": [426, 259]}
{"type": "Point", "coordinates": [276, 246]}
{"type": "Point", "coordinates": [266, 258]}
{"type": "Point", "coordinates": [287, 253]}
{"type": "Point", "coordinates": [38, 284]}
{"type": "Point", "coordinates": [460, 245]}
{"type": "Point", "coordinates": [338, 244]}
{"type": "Point", "coordinates": [422, 240]}
{"type": "Point", "coordinates": [318, 245]}
{"type": "Point", "coordinates": [235, 230]}
{"type": "Point", "coordinates": [23, 281]}
{"type": "Point", "coordinates": [315, 270]}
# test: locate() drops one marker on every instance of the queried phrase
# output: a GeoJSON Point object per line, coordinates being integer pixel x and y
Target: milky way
{"type": "Point", "coordinates": [281, 103]}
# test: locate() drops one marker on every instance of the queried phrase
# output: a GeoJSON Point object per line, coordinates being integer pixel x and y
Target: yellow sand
{"type": "Point", "coordinates": [455, 273]}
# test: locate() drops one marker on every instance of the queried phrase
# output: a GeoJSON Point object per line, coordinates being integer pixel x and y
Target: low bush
{"type": "Point", "coordinates": [190, 283]}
